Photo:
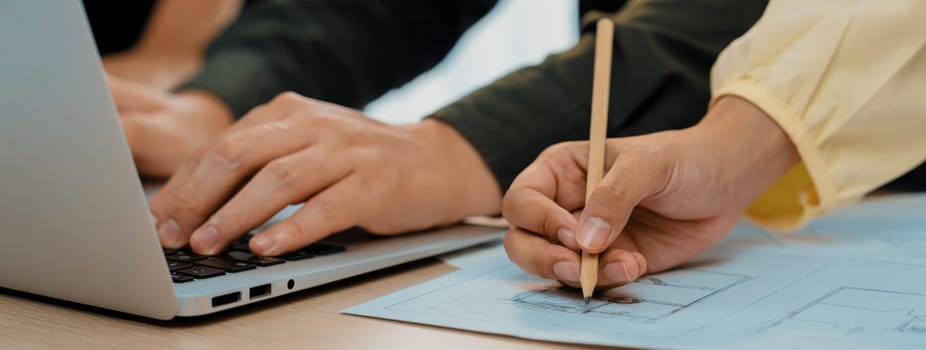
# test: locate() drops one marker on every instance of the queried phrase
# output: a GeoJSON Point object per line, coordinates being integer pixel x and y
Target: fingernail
{"type": "Point", "coordinates": [566, 271]}
{"type": "Point", "coordinates": [593, 233]}
{"type": "Point", "coordinates": [617, 272]}
{"type": "Point", "coordinates": [204, 239]}
{"type": "Point", "coordinates": [262, 244]}
{"type": "Point", "coordinates": [169, 232]}
{"type": "Point", "coordinates": [566, 238]}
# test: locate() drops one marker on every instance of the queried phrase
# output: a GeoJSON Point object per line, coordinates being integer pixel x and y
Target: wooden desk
{"type": "Point", "coordinates": [309, 319]}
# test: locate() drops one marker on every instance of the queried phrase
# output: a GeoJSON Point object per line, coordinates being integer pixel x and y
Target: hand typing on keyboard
{"type": "Point", "coordinates": [348, 169]}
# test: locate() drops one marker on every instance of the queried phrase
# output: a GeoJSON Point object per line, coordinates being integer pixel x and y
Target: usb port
{"type": "Point", "coordinates": [259, 291]}
{"type": "Point", "coordinates": [226, 299]}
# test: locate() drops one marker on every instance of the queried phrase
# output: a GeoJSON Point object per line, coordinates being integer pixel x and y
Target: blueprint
{"type": "Point", "coordinates": [854, 279]}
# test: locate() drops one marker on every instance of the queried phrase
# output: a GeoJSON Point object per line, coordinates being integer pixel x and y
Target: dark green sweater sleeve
{"type": "Point", "coordinates": [345, 51]}
{"type": "Point", "coordinates": [663, 52]}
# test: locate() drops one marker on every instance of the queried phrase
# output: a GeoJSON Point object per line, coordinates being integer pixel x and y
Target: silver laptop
{"type": "Point", "coordinates": [72, 210]}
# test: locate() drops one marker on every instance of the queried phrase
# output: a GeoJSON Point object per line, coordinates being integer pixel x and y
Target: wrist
{"type": "Point", "coordinates": [751, 144]}
{"type": "Point", "coordinates": [472, 185]}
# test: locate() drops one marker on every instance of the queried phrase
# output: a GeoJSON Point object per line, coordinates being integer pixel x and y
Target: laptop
{"type": "Point", "coordinates": [72, 208]}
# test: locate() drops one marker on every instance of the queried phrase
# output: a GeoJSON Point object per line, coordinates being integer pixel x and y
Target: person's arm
{"type": "Point", "coordinates": [845, 82]}
{"type": "Point", "coordinates": [174, 42]}
{"type": "Point", "coordinates": [663, 52]}
{"type": "Point", "coordinates": [347, 51]}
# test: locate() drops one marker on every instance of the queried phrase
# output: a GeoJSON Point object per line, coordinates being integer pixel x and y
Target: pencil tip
{"type": "Point", "coordinates": [587, 300]}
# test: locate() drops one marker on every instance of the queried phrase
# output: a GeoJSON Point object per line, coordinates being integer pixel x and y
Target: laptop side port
{"type": "Point", "coordinates": [226, 299]}
{"type": "Point", "coordinates": [259, 291]}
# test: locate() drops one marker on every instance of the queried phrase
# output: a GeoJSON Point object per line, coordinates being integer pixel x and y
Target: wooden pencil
{"type": "Point", "coordinates": [604, 42]}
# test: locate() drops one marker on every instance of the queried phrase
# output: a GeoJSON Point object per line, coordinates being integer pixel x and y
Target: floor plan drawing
{"type": "Point", "coordinates": [848, 281]}
{"type": "Point", "coordinates": [858, 314]}
{"type": "Point", "coordinates": [646, 300]}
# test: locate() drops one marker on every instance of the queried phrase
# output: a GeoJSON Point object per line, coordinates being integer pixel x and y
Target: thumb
{"type": "Point", "coordinates": [631, 179]}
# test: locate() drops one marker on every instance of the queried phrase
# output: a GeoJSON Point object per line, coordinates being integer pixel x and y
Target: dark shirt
{"type": "Point", "coordinates": [348, 52]}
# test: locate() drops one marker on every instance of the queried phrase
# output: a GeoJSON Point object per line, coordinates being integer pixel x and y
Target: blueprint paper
{"type": "Point", "coordinates": [855, 279]}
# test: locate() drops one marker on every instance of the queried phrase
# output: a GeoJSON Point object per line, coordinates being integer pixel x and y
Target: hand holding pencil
{"type": "Point", "coordinates": [663, 198]}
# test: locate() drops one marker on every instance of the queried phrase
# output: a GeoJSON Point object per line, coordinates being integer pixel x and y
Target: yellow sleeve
{"type": "Point", "coordinates": [846, 80]}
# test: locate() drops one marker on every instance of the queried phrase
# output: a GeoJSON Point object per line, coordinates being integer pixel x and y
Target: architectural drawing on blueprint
{"type": "Point", "coordinates": [858, 315]}
{"type": "Point", "coordinates": [648, 299]}
{"type": "Point", "coordinates": [850, 281]}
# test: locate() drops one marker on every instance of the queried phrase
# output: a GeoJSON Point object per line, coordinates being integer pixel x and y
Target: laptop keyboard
{"type": "Point", "coordinates": [186, 266]}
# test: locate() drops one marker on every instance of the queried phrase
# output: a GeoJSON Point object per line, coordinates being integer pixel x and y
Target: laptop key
{"type": "Point", "coordinates": [226, 264]}
{"type": "Point", "coordinates": [248, 257]}
{"type": "Point", "coordinates": [240, 245]}
{"type": "Point", "coordinates": [317, 249]}
{"type": "Point", "coordinates": [201, 272]}
{"type": "Point", "coordinates": [184, 256]}
{"type": "Point", "coordinates": [298, 255]}
{"type": "Point", "coordinates": [176, 265]}
{"type": "Point", "coordinates": [325, 249]}
{"type": "Point", "coordinates": [178, 278]}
